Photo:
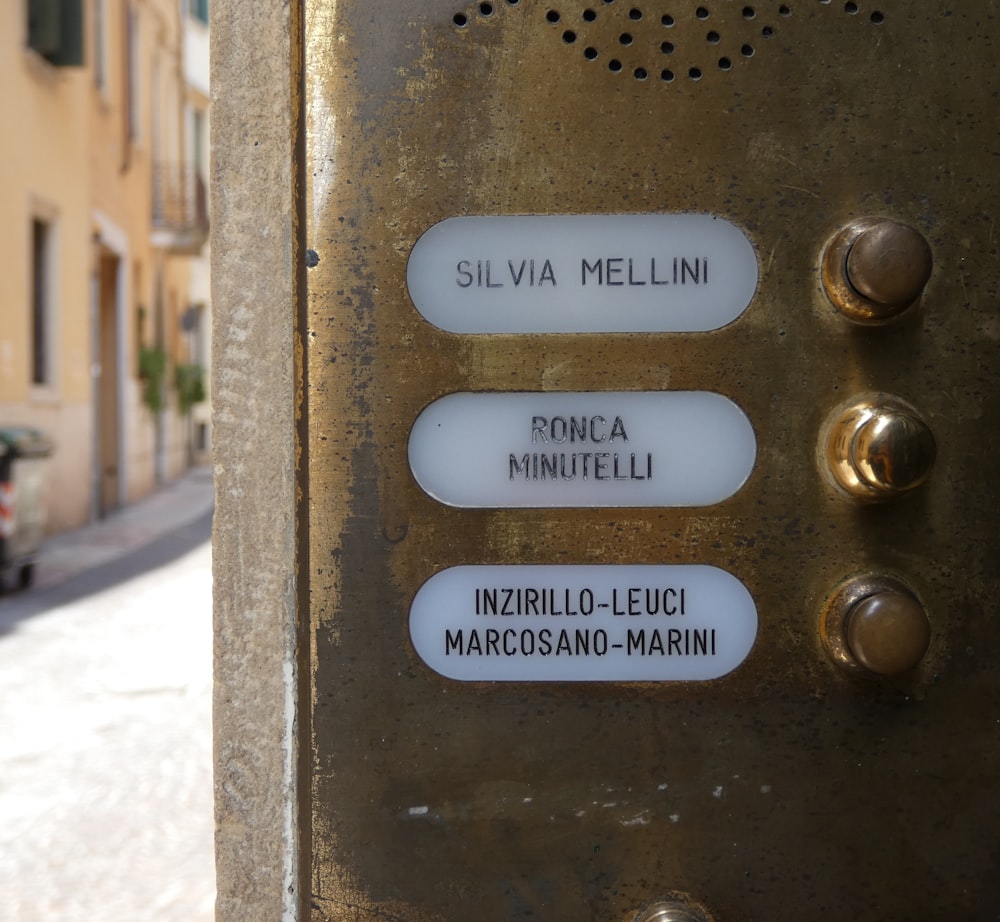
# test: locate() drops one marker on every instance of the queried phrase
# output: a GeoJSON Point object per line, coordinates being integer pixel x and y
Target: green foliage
{"type": "Point", "coordinates": [190, 383]}
{"type": "Point", "coordinates": [152, 372]}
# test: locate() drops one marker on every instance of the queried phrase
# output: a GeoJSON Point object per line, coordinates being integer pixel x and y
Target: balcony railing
{"type": "Point", "coordinates": [180, 208]}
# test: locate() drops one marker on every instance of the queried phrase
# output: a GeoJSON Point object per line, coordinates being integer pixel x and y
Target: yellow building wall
{"type": "Point", "coordinates": [124, 155]}
{"type": "Point", "coordinates": [68, 156]}
{"type": "Point", "coordinates": [43, 152]}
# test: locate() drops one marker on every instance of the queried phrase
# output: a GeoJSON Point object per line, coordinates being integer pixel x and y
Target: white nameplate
{"type": "Point", "coordinates": [631, 623]}
{"type": "Point", "coordinates": [644, 273]}
{"type": "Point", "coordinates": [627, 448]}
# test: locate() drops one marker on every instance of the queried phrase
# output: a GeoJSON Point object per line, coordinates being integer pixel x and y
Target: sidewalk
{"type": "Point", "coordinates": [106, 793]}
{"type": "Point", "coordinates": [164, 511]}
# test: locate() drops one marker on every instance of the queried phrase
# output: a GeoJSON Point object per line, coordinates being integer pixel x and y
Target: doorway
{"type": "Point", "coordinates": [107, 347]}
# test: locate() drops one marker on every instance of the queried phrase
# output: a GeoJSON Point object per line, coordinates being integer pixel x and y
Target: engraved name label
{"type": "Point", "coordinates": [630, 448]}
{"type": "Point", "coordinates": [582, 273]}
{"type": "Point", "coordinates": [542, 623]}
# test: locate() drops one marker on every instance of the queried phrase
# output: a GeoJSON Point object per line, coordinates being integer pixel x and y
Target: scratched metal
{"type": "Point", "coordinates": [788, 789]}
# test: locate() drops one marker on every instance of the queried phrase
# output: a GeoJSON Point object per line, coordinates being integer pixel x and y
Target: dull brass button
{"type": "Point", "coordinates": [888, 632]}
{"type": "Point", "coordinates": [877, 448]}
{"type": "Point", "coordinates": [889, 264]}
{"type": "Point", "coordinates": [875, 624]}
{"type": "Point", "coordinates": [875, 269]}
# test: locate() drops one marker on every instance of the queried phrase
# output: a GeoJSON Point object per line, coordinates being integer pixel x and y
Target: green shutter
{"type": "Point", "coordinates": [70, 35]}
{"type": "Point", "coordinates": [43, 26]}
{"type": "Point", "coordinates": [55, 31]}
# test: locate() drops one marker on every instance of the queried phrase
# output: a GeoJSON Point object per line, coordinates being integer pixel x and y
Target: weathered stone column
{"type": "Point", "coordinates": [253, 394]}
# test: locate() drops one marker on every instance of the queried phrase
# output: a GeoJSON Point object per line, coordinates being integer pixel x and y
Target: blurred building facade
{"type": "Point", "coordinates": [104, 300]}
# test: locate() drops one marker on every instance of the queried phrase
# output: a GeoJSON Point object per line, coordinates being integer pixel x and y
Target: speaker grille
{"type": "Point", "coordinates": [663, 42]}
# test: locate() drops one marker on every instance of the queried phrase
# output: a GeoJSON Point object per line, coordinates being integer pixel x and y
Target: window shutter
{"type": "Point", "coordinates": [55, 31]}
{"type": "Point", "coordinates": [44, 26]}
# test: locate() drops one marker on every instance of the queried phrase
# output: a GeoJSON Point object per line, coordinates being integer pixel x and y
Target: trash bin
{"type": "Point", "coordinates": [22, 502]}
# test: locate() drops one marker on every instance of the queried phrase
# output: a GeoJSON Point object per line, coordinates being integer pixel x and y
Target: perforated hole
{"type": "Point", "coordinates": [706, 39]}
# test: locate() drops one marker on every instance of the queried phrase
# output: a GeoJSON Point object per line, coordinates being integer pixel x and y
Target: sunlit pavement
{"type": "Point", "coordinates": [105, 728]}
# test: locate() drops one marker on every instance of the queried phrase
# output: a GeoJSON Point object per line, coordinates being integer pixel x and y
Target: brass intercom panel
{"type": "Point", "coordinates": [649, 560]}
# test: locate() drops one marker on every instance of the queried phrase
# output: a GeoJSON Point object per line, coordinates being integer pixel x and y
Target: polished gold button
{"type": "Point", "coordinates": [877, 447]}
{"type": "Point", "coordinates": [874, 269]}
{"type": "Point", "coordinates": [888, 632]}
{"type": "Point", "coordinates": [875, 624]}
{"type": "Point", "coordinates": [672, 912]}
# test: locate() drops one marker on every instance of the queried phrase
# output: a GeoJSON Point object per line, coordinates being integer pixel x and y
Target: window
{"type": "Point", "coordinates": [192, 324]}
{"type": "Point", "coordinates": [41, 252]}
{"type": "Point", "coordinates": [199, 10]}
{"type": "Point", "coordinates": [55, 31]}
{"type": "Point", "coordinates": [198, 142]}
{"type": "Point", "coordinates": [100, 46]}
{"type": "Point", "coordinates": [132, 73]}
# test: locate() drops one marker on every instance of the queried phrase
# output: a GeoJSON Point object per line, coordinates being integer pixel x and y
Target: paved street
{"type": "Point", "coordinates": [105, 721]}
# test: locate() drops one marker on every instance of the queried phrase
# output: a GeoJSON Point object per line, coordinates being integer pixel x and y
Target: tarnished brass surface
{"type": "Point", "coordinates": [877, 448]}
{"type": "Point", "coordinates": [791, 787]}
